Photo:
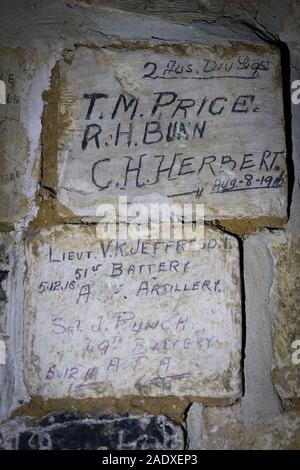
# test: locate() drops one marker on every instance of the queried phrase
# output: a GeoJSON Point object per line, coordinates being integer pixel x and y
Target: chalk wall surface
{"type": "Point", "coordinates": [150, 343]}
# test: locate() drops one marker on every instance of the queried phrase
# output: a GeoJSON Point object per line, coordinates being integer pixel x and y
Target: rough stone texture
{"type": "Point", "coordinates": [5, 241]}
{"type": "Point", "coordinates": [194, 426]}
{"type": "Point", "coordinates": [273, 307]}
{"type": "Point", "coordinates": [67, 431]}
{"type": "Point", "coordinates": [294, 220]}
{"type": "Point", "coordinates": [224, 428]}
{"type": "Point", "coordinates": [284, 296]}
{"type": "Point", "coordinates": [260, 400]}
{"type": "Point", "coordinates": [107, 318]}
{"type": "Point", "coordinates": [51, 27]}
{"type": "Point", "coordinates": [22, 72]}
{"type": "Point", "coordinates": [174, 124]}
{"type": "Point", "coordinates": [12, 388]}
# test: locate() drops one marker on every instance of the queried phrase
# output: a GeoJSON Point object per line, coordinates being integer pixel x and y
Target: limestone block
{"type": "Point", "coordinates": [275, 266]}
{"type": "Point", "coordinates": [115, 318]}
{"type": "Point", "coordinates": [12, 391]}
{"type": "Point", "coordinates": [194, 426]}
{"type": "Point", "coordinates": [225, 430]}
{"type": "Point", "coordinates": [18, 134]}
{"type": "Point", "coordinates": [6, 241]}
{"type": "Point", "coordinates": [260, 400]}
{"type": "Point", "coordinates": [68, 431]}
{"type": "Point", "coordinates": [175, 124]}
{"type": "Point", "coordinates": [285, 299]}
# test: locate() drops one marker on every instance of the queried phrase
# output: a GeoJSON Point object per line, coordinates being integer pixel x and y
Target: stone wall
{"type": "Point", "coordinates": [152, 343]}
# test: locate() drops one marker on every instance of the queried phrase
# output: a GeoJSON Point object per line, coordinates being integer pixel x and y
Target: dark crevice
{"type": "Point", "coordinates": [272, 39]}
{"type": "Point", "coordinates": [243, 312]}
{"type": "Point", "coordinates": [51, 191]}
{"type": "Point", "coordinates": [47, 133]}
{"type": "Point", "coordinates": [286, 93]}
{"type": "Point", "coordinates": [185, 429]}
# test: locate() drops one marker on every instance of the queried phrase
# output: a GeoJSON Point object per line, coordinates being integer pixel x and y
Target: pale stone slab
{"type": "Point", "coordinates": [195, 426]}
{"type": "Point", "coordinates": [12, 390]}
{"type": "Point", "coordinates": [284, 297]}
{"type": "Point", "coordinates": [140, 318]}
{"type": "Point", "coordinates": [18, 127]}
{"type": "Point", "coordinates": [173, 124]}
{"type": "Point", "coordinates": [2, 352]}
{"type": "Point", "coordinates": [260, 400]}
{"type": "Point", "coordinates": [273, 302]}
